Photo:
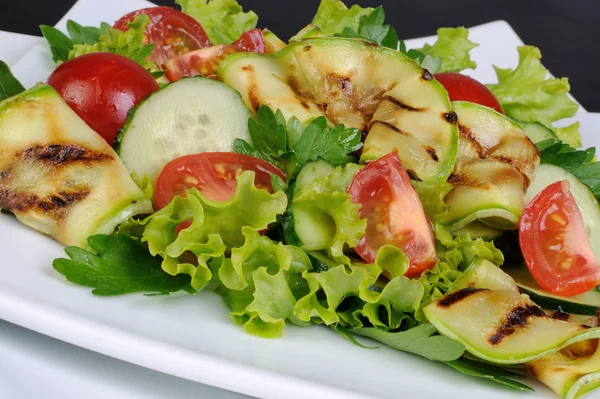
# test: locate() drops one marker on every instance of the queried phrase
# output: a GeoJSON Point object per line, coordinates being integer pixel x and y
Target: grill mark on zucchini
{"type": "Point", "coordinates": [426, 75]}
{"type": "Point", "coordinates": [53, 203]}
{"type": "Point", "coordinates": [63, 154]}
{"type": "Point", "coordinates": [457, 296]}
{"type": "Point", "coordinates": [466, 133]}
{"type": "Point", "coordinates": [253, 97]}
{"type": "Point", "coordinates": [450, 117]}
{"type": "Point", "coordinates": [515, 319]}
{"type": "Point", "coordinates": [402, 105]}
{"type": "Point", "coordinates": [389, 126]}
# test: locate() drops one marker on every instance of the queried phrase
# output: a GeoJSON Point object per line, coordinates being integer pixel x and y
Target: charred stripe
{"type": "Point", "coordinates": [457, 296]}
{"type": "Point", "coordinates": [515, 319]}
{"type": "Point", "coordinates": [402, 105]}
{"type": "Point", "coordinates": [389, 126]}
{"type": "Point", "coordinates": [63, 154]}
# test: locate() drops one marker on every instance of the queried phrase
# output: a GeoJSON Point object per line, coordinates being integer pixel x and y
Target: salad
{"type": "Point", "coordinates": [338, 179]}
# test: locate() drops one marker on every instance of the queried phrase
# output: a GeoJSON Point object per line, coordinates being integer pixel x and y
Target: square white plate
{"type": "Point", "coordinates": [192, 336]}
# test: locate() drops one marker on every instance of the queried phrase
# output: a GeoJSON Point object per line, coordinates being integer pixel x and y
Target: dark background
{"type": "Point", "coordinates": [566, 31]}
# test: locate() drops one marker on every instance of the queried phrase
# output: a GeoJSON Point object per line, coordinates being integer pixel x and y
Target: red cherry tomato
{"type": "Point", "coordinates": [101, 88]}
{"type": "Point", "coordinates": [394, 214]}
{"type": "Point", "coordinates": [555, 245]}
{"type": "Point", "coordinates": [206, 61]}
{"type": "Point", "coordinates": [172, 32]}
{"type": "Point", "coordinates": [464, 88]}
{"type": "Point", "coordinates": [213, 174]}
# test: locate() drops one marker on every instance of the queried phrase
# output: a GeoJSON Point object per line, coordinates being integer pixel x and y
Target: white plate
{"type": "Point", "coordinates": [193, 337]}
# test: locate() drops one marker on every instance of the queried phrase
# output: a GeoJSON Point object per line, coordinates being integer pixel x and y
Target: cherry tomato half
{"type": "Point", "coordinates": [206, 61]}
{"type": "Point", "coordinates": [213, 174]}
{"type": "Point", "coordinates": [555, 245]}
{"type": "Point", "coordinates": [101, 88]}
{"type": "Point", "coordinates": [172, 32]}
{"type": "Point", "coordinates": [394, 214]}
{"type": "Point", "coordinates": [465, 88]}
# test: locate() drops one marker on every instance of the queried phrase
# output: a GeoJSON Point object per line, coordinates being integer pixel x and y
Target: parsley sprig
{"type": "Point", "coordinates": [121, 265]}
{"type": "Point", "coordinates": [289, 147]}
{"type": "Point", "coordinates": [9, 85]}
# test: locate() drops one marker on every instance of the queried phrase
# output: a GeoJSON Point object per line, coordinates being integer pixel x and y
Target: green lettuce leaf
{"type": "Point", "coordinates": [215, 227]}
{"type": "Point", "coordinates": [528, 93]}
{"type": "Point", "coordinates": [452, 46]}
{"type": "Point", "coordinates": [260, 283]}
{"type": "Point", "coordinates": [569, 134]}
{"type": "Point", "coordinates": [129, 43]}
{"type": "Point", "coordinates": [333, 16]}
{"type": "Point", "coordinates": [325, 200]}
{"type": "Point", "coordinates": [223, 20]}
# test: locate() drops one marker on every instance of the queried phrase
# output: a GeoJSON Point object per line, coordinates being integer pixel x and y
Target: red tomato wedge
{"type": "Point", "coordinates": [213, 174]}
{"type": "Point", "coordinates": [464, 88]}
{"type": "Point", "coordinates": [555, 245]}
{"type": "Point", "coordinates": [394, 214]}
{"type": "Point", "coordinates": [101, 88]}
{"type": "Point", "coordinates": [206, 61]}
{"type": "Point", "coordinates": [172, 32]}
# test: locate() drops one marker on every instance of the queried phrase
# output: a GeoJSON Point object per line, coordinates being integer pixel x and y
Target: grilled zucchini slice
{"type": "Point", "coordinates": [493, 170]}
{"type": "Point", "coordinates": [388, 96]}
{"type": "Point", "coordinates": [57, 175]}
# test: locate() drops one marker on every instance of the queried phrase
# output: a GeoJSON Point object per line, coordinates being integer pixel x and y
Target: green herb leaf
{"type": "Point", "coordinates": [122, 265]}
{"type": "Point", "coordinates": [333, 145]}
{"type": "Point", "coordinates": [574, 161]}
{"type": "Point", "coordinates": [60, 44]}
{"type": "Point", "coordinates": [419, 340]}
{"type": "Point", "coordinates": [83, 35]}
{"type": "Point", "coordinates": [372, 26]}
{"type": "Point", "coordinates": [487, 371]}
{"type": "Point", "coordinates": [289, 148]}
{"type": "Point", "coordinates": [9, 85]}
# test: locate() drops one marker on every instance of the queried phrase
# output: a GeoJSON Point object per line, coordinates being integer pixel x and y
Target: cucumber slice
{"type": "Point", "coordinates": [478, 229]}
{"type": "Point", "coordinates": [485, 275]}
{"type": "Point", "coordinates": [536, 131]}
{"type": "Point", "coordinates": [320, 261]}
{"type": "Point", "coordinates": [301, 230]}
{"type": "Point", "coordinates": [190, 116]}
{"type": "Point", "coordinates": [310, 172]}
{"type": "Point", "coordinates": [545, 175]}
{"type": "Point", "coordinates": [584, 304]}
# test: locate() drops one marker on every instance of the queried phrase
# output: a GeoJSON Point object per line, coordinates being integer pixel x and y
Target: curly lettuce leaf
{"type": "Point", "coordinates": [260, 283]}
{"type": "Point", "coordinates": [569, 134]}
{"type": "Point", "coordinates": [130, 43]}
{"type": "Point", "coordinates": [453, 47]}
{"type": "Point", "coordinates": [350, 295]}
{"type": "Point", "coordinates": [333, 16]}
{"type": "Point", "coordinates": [215, 227]}
{"type": "Point", "coordinates": [223, 20]}
{"type": "Point", "coordinates": [325, 201]}
{"type": "Point", "coordinates": [528, 93]}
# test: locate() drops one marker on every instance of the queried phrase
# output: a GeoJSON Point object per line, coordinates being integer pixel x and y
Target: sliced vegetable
{"type": "Point", "coordinates": [361, 85]}
{"type": "Point", "coordinates": [555, 245]}
{"type": "Point", "coordinates": [493, 169]}
{"type": "Point", "coordinates": [189, 116]}
{"type": "Point", "coordinates": [57, 175]}
{"type": "Point", "coordinates": [503, 327]}
{"type": "Point", "coordinates": [172, 32]}
{"type": "Point", "coordinates": [571, 372]}
{"type": "Point", "coordinates": [537, 132]}
{"type": "Point", "coordinates": [206, 61]}
{"type": "Point", "coordinates": [102, 88]}
{"type": "Point", "coordinates": [311, 172]}
{"type": "Point", "coordinates": [484, 274]}
{"type": "Point", "coordinates": [465, 88]}
{"type": "Point", "coordinates": [272, 43]}
{"type": "Point", "coordinates": [213, 174]}
{"type": "Point", "coordinates": [587, 303]}
{"type": "Point", "coordinates": [587, 204]}
{"type": "Point", "coordinates": [394, 214]}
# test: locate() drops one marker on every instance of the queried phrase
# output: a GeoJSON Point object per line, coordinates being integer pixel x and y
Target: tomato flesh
{"type": "Point", "coordinates": [465, 88]}
{"type": "Point", "coordinates": [555, 245]}
{"type": "Point", "coordinates": [172, 32]}
{"type": "Point", "coordinates": [213, 174]}
{"type": "Point", "coordinates": [394, 214]}
{"type": "Point", "coordinates": [101, 88]}
{"type": "Point", "coordinates": [206, 61]}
